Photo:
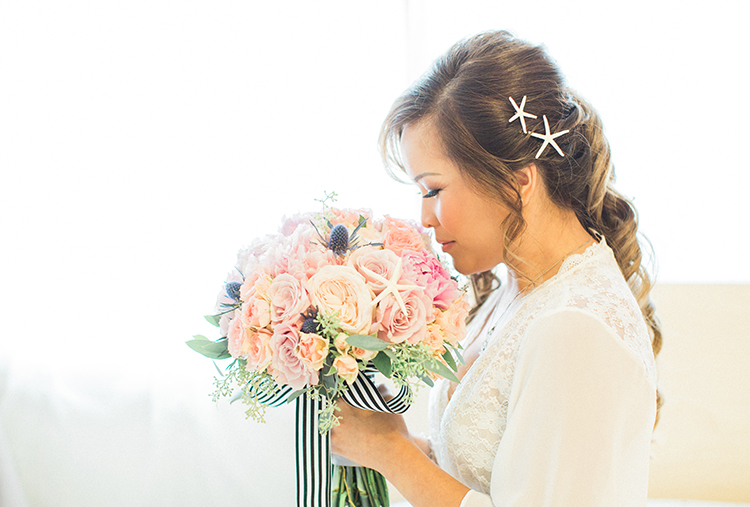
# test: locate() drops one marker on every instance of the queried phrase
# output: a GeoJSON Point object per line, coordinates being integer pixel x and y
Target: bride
{"type": "Point", "coordinates": [558, 397]}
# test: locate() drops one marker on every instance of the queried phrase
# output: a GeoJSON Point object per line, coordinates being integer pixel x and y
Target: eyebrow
{"type": "Point", "coordinates": [420, 176]}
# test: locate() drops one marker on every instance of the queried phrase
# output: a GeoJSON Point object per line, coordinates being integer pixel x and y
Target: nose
{"type": "Point", "coordinates": [429, 219]}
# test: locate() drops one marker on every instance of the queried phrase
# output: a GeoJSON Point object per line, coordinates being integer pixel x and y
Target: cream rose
{"type": "Point", "coordinates": [379, 261]}
{"type": "Point", "coordinates": [341, 290]}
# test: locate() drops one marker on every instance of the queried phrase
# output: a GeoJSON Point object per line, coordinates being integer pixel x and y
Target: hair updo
{"type": "Point", "coordinates": [465, 96]}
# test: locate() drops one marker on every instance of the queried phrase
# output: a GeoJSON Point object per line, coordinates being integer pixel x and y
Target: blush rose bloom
{"type": "Point", "coordinates": [288, 299]}
{"type": "Point", "coordinates": [312, 349]}
{"type": "Point", "coordinates": [346, 367]}
{"type": "Point", "coordinates": [380, 261]}
{"type": "Point", "coordinates": [256, 312]}
{"type": "Point", "coordinates": [259, 351]}
{"type": "Point", "coordinates": [453, 321]}
{"type": "Point", "coordinates": [342, 290]}
{"type": "Point", "coordinates": [401, 235]}
{"type": "Point", "coordinates": [426, 271]}
{"type": "Point", "coordinates": [237, 337]}
{"type": "Point", "coordinates": [287, 367]}
{"type": "Point", "coordinates": [395, 326]}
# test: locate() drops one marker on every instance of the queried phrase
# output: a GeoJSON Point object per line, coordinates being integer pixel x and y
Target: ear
{"type": "Point", "coordinates": [528, 182]}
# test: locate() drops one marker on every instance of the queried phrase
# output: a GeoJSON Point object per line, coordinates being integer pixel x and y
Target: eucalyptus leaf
{"type": "Point", "coordinates": [441, 369]}
{"type": "Point", "coordinates": [457, 351]}
{"type": "Point", "coordinates": [449, 359]}
{"type": "Point", "coordinates": [383, 363]}
{"type": "Point", "coordinates": [367, 342]}
{"type": "Point", "coordinates": [427, 380]}
{"type": "Point", "coordinates": [213, 319]}
{"type": "Point", "coordinates": [295, 395]}
{"type": "Point", "coordinates": [200, 337]}
{"type": "Point", "coordinates": [213, 350]}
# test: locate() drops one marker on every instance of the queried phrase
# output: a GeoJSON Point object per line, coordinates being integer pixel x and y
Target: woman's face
{"type": "Point", "coordinates": [467, 224]}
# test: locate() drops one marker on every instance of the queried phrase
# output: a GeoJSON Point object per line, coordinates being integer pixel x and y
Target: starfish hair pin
{"type": "Point", "coordinates": [549, 138]}
{"type": "Point", "coordinates": [520, 113]}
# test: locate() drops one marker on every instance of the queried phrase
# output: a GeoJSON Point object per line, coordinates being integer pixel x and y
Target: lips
{"type": "Point", "coordinates": [447, 245]}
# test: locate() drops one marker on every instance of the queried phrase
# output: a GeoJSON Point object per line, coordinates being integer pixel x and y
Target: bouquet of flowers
{"type": "Point", "coordinates": [310, 313]}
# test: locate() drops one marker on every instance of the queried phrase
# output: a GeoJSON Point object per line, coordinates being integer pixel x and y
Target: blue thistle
{"type": "Point", "coordinates": [233, 290]}
{"type": "Point", "coordinates": [310, 325]}
{"type": "Point", "coordinates": [339, 239]}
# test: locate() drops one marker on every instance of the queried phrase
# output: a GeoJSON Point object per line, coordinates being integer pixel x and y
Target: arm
{"type": "Point", "coordinates": [580, 417]}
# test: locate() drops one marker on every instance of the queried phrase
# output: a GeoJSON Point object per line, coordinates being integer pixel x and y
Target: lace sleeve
{"type": "Point", "coordinates": [580, 416]}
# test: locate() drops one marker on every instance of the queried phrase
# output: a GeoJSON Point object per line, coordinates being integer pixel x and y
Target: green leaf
{"type": "Point", "coordinates": [295, 395]}
{"type": "Point", "coordinates": [214, 350]}
{"type": "Point", "coordinates": [442, 370]}
{"type": "Point", "coordinates": [213, 319]}
{"type": "Point", "coordinates": [449, 359]}
{"type": "Point", "coordinates": [427, 380]}
{"type": "Point", "coordinates": [457, 352]}
{"type": "Point", "coordinates": [367, 342]}
{"type": "Point", "coordinates": [383, 363]}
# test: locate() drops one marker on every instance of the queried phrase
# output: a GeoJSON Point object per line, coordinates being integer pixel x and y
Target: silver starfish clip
{"type": "Point", "coordinates": [520, 113]}
{"type": "Point", "coordinates": [548, 138]}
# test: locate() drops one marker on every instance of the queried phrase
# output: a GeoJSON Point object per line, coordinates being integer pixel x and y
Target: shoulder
{"type": "Point", "coordinates": [592, 296]}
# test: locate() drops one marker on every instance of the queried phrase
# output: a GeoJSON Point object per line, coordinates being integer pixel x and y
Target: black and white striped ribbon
{"type": "Point", "coordinates": [314, 449]}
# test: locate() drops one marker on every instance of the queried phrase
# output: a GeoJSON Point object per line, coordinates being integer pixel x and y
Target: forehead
{"type": "Point", "coordinates": [422, 152]}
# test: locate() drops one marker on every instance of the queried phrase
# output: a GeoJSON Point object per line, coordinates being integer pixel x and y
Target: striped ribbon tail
{"type": "Point", "coordinates": [314, 449]}
{"type": "Point", "coordinates": [313, 456]}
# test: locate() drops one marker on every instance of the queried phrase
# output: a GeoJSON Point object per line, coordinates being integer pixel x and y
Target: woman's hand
{"type": "Point", "coordinates": [368, 438]}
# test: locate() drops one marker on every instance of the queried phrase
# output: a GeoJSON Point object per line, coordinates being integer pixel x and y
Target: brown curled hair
{"type": "Point", "coordinates": [466, 97]}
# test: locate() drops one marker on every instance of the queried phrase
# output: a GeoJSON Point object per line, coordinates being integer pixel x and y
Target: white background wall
{"type": "Point", "coordinates": [143, 142]}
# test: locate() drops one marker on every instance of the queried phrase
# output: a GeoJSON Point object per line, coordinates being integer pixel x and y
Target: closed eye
{"type": "Point", "coordinates": [431, 193]}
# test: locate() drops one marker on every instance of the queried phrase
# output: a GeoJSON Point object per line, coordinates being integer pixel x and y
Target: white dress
{"type": "Point", "coordinates": [559, 408]}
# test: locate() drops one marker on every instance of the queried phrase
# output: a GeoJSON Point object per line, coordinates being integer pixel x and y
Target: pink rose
{"type": "Point", "coordinates": [379, 261]}
{"type": "Point", "coordinates": [236, 337]}
{"type": "Point", "coordinates": [427, 272]}
{"type": "Point", "coordinates": [287, 367]}
{"type": "Point", "coordinates": [313, 349]}
{"type": "Point", "coordinates": [350, 217]}
{"type": "Point", "coordinates": [346, 367]}
{"type": "Point", "coordinates": [256, 312]}
{"type": "Point", "coordinates": [256, 282]}
{"type": "Point", "coordinates": [340, 289]}
{"type": "Point", "coordinates": [259, 352]}
{"type": "Point", "coordinates": [453, 321]}
{"type": "Point", "coordinates": [400, 235]}
{"type": "Point", "coordinates": [396, 326]}
{"type": "Point", "coordinates": [288, 299]}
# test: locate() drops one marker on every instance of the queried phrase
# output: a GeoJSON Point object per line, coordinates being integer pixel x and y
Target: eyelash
{"type": "Point", "coordinates": [431, 193]}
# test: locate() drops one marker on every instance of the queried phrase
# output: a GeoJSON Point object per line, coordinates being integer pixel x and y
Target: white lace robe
{"type": "Point", "coordinates": [559, 408]}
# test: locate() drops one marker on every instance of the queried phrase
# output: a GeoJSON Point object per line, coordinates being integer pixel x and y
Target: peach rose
{"type": "Point", "coordinates": [342, 290]}
{"type": "Point", "coordinates": [434, 339]}
{"type": "Point", "coordinates": [288, 299]}
{"type": "Point", "coordinates": [312, 349]}
{"type": "Point", "coordinates": [341, 344]}
{"type": "Point", "coordinates": [453, 321]}
{"type": "Point", "coordinates": [259, 352]}
{"type": "Point", "coordinates": [396, 326]}
{"type": "Point", "coordinates": [346, 367]}
{"type": "Point", "coordinates": [400, 235]}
